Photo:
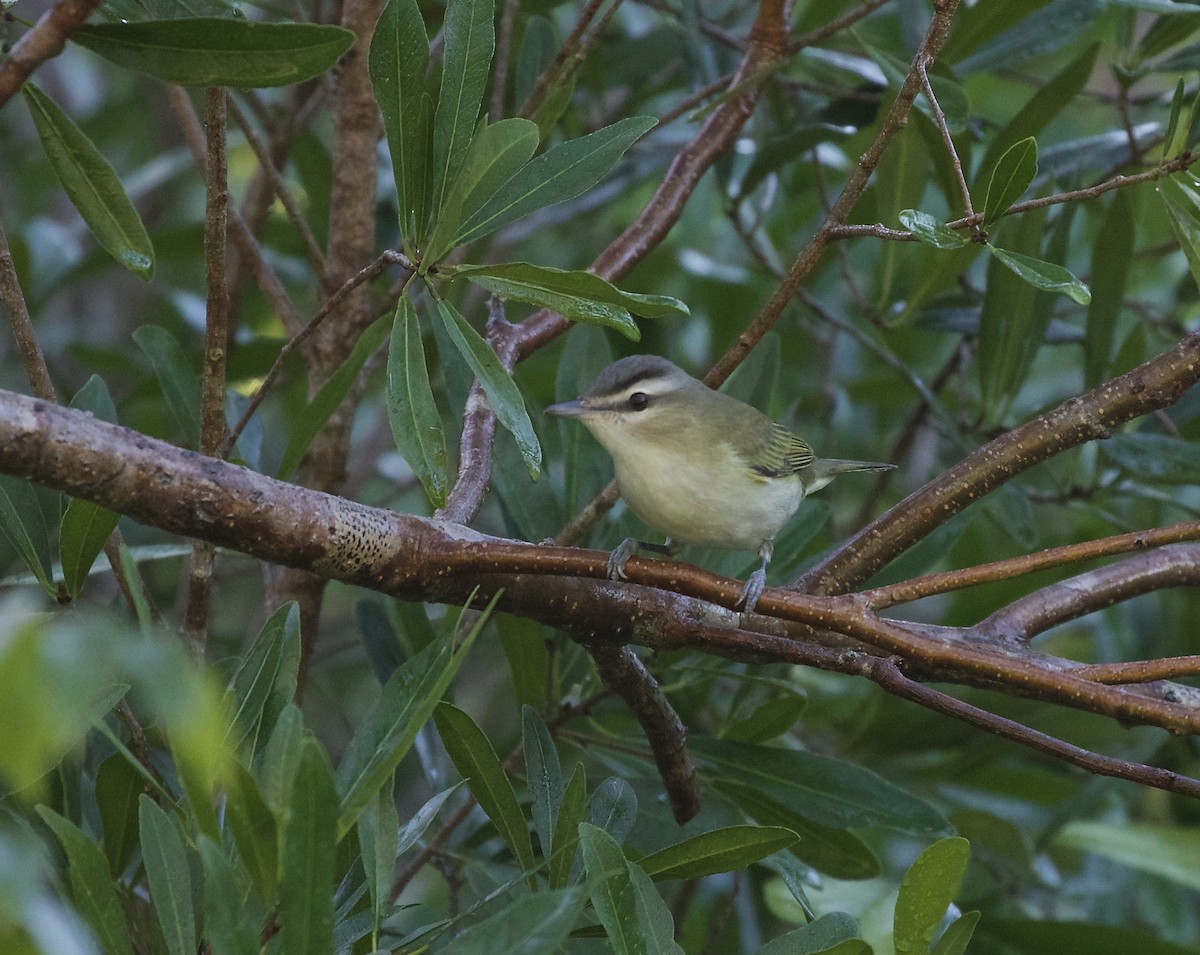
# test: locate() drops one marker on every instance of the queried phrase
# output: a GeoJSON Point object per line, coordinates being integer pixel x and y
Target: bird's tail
{"type": "Point", "coordinates": [824, 470]}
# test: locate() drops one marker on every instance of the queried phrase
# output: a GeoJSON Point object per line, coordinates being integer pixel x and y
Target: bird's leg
{"type": "Point", "coordinates": [630, 546]}
{"type": "Point", "coordinates": [757, 581]}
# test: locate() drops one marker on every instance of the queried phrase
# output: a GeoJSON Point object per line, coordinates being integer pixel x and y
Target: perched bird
{"type": "Point", "coordinates": [696, 465]}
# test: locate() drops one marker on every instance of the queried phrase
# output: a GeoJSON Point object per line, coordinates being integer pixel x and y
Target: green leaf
{"type": "Point", "coordinates": [472, 754]}
{"type": "Point", "coordinates": [388, 731]}
{"type": "Point", "coordinates": [1011, 177]}
{"type": "Point", "coordinates": [655, 921]}
{"type": "Point", "coordinates": [1183, 212]}
{"type": "Point", "coordinates": [1111, 256]}
{"type": "Point", "coordinates": [502, 392]}
{"type": "Point", "coordinates": [21, 522]}
{"type": "Point", "coordinates": [930, 231]}
{"type": "Point", "coordinates": [539, 43]}
{"type": "Point", "coordinates": [265, 680]}
{"type": "Point", "coordinates": [1043, 275]}
{"type": "Point", "coordinates": [495, 155]}
{"type": "Point", "coordinates": [330, 397]}
{"type": "Point", "coordinates": [533, 925]}
{"type": "Point", "coordinates": [718, 850]}
{"type": "Point", "coordinates": [169, 876]}
{"type": "Point", "coordinates": [398, 60]}
{"type": "Point", "coordinates": [829, 791]}
{"type": "Point", "coordinates": [118, 785]}
{"type": "Point", "coordinates": [91, 885]}
{"type": "Point", "coordinates": [822, 935]}
{"type": "Point", "coordinates": [957, 937]}
{"type": "Point", "coordinates": [219, 51]}
{"type": "Point", "coordinates": [254, 831]}
{"type": "Point", "coordinates": [469, 39]}
{"type": "Point", "coordinates": [560, 173]}
{"type": "Point", "coordinates": [1167, 851]}
{"type": "Point", "coordinates": [281, 757]}
{"type": "Point", "coordinates": [544, 773]}
{"type": "Point", "coordinates": [611, 889]}
{"type": "Point", "coordinates": [926, 892]}
{"type": "Point", "coordinates": [179, 384]}
{"type": "Point", "coordinates": [565, 841]}
{"type": "Point", "coordinates": [416, 826]}
{"type": "Point", "coordinates": [86, 527]}
{"type": "Point", "coordinates": [228, 921]}
{"type": "Point", "coordinates": [1046, 102]}
{"type": "Point", "coordinates": [1155, 457]}
{"type": "Point", "coordinates": [91, 185]}
{"type": "Point", "coordinates": [378, 827]}
{"type": "Point", "coordinates": [613, 807]}
{"type": "Point", "coordinates": [1077, 938]}
{"type": "Point", "coordinates": [307, 850]}
{"type": "Point", "coordinates": [899, 182]}
{"type": "Point", "coordinates": [412, 413]}
{"type": "Point", "coordinates": [577, 295]}
{"type": "Point", "coordinates": [771, 719]}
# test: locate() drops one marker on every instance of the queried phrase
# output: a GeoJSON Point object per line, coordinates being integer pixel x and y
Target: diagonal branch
{"type": "Point", "coordinates": [43, 41]}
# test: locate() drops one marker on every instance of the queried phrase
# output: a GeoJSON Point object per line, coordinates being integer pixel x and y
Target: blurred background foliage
{"type": "Point", "coordinates": [895, 351]}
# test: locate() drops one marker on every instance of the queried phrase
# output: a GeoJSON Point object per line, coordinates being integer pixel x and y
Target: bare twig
{"type": "Point", "coordinates": [939, 119]}
{"type": "Point", "coordinates": [13, 300]}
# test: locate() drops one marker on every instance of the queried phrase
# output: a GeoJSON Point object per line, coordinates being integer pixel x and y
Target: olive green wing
{"type": "Point", "coordinates": [781, 453]}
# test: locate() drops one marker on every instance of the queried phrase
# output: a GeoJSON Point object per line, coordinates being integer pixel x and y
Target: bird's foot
{"type": "Point", "coordinates": [755, 585]}
{"type": "Point", "coordinates": [617, 559]}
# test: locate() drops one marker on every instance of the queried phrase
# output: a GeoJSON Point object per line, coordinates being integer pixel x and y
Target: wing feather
{"type": "Point", "coordinates": [782, 454]}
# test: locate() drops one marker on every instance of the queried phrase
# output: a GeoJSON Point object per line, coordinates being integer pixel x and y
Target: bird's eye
{"type": "Point", "coordinates": [639, 400]}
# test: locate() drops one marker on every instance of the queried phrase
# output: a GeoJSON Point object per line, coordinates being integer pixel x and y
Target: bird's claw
{"type": "Point", "coordinates": [618, 558]}
{"type": "Point", "coordinates": [755, 585]}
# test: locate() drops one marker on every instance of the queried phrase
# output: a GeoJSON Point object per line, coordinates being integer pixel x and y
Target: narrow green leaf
{"type": "Point", "coordinates": [930, 231]}
{"type": "Point", "coordinates": [611, 889]}
{"type": "Point", "coordinates": [655, 921]}
{"type": "Point", "coordinates": [377, 841]}
{"type": "Point", "coordinates": [85, 529]}
{"type": "Point", "coordinates": [926, 891]}
{"type": "Point", "coordinates": [565, 840]}
{"type": "Point", "coordinates": [898, 182]}
{"type": "Point", "coordinates": [613, 808]}
{"type": "Point", "coordinates": [826, 790]}
{"type": "Point", "coordinates": [577, 295]}
{"type": "Point", "coordinates": [718, 850]}
{"type": "Point", "coordinates": [957, 937]}
{"type": "Point", "coordinates": [539, 43]}
{"type": "Point", "coordinates": [412, 830]}
{"type": "Point", "coordinates": [387, 733]}
{"type": "Point", "coordinates": [1155, 457]}
{"type": "Point", "coordinates": [219, 51]}
{"type": "Point", "coordinates": [265, 680]}
{"type": "Point", "coordinates": [1043, 275]}
{"type": "Point", "coordinates": [91, 885]}
{"type": "Point", "coordinates": [1079, 938]}
{"type": "Point", "coordinates": [1011, 177]}
{"type": "Point", "coordinates": [495, 155]}
{"type": "Point", "coordinates": [254, 831]}
{"type": "Point", "coordinates": [1172, 141]}
{"type": "Point", "coordinates": [398, 60]}
{"type": "Point", "coordinates": [329, 398]}
{"type": "Point", "coordinates": [179, 384]}
{"type": "Point", "coordinates": [473, 755]}
{"type": "Point", "coordinates": [91, 185]}
{"type": "Point", "coordinates": [774, 718]}
{"type": "Point", "coordinates": [1183, 212]}
{"type": "Point", "coordinates": [412, 413]}
{"type": "Point", "coordinates": [169, 876]}
{"type": "Point", "coordinates": [502, 392]}
{"type": "Point", "coordinates": [823, 935]}
{"type": "Point", "coordinates": [1111, 257]}
{"type": "Point", "coordinates": [533, 925]}
{"type": "Point", "coordinates": [544, 773]}
{"type": "Point", "coordinates": [281, 757]}
{"type": "Point", "coordinates": [21, 522]}
{"type": "Point", "coordinates": [228, 923]}
{"type": "Point", "coordinates": [836, 852]}
{"type": "Point", "coordinates": [94, 397]}
{"type": "Point", "coordinates": [1166, 851]}
{"type": "Point", "coordinates": [307, 850]}
{"type": "Point", "coordinates": [1045, 103]}
{"type": "Point", "coordinates": [560, 173]}
{"type": "Point", "coordinates": [118, 785]}
{"type": "Point", "coordinates": [470, 38]}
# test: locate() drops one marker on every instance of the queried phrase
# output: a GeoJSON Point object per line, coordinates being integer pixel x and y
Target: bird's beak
{"type": "Point", "coordinates": [568, 409]}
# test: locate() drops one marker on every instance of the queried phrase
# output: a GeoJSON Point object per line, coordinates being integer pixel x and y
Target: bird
{"type": "Point", "coordinates": [699, 466]}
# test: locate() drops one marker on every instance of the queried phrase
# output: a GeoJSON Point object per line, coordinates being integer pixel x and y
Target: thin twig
{"type": "Point", "coordinates": [44, 40]}
{"type": "Point", "coordinates": [939, 119]}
